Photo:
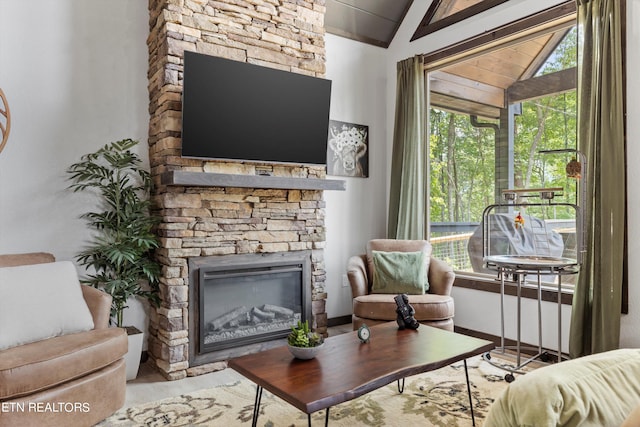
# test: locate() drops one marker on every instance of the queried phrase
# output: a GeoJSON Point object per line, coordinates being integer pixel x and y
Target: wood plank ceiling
{"type": "Point", "coordinates": [370, 21]}
{"type": "Point", "coordinates": [477, 85]}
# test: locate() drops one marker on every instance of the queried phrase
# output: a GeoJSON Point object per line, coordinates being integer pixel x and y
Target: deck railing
{"type": "Point", "coordinates": [450, 240]}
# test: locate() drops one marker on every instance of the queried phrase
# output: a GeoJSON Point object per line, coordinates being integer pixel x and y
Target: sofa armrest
{"type": "Point", "coordinates": [441, 277]}
{"type": "Point", "coordinates": [99, 304]}
{"type": "Point", "coordinates": [14, 260]}
{"type": "Point", "coordinates": [357, 275]}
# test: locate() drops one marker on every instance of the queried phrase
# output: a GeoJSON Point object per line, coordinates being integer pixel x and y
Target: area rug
{"type": "Point", "coordinates": [437, 398]}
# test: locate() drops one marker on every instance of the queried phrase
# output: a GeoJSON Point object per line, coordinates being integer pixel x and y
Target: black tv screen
{"type": "Point", "coordinates": [236, 110]}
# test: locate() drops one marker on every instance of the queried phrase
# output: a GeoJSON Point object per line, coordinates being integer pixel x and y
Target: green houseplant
{"type": "Point", "coordinates": [302, 342]}
{"type": "Point", "coordinates": [120, 254]}
{"type": "Point", "coordinates": [121, 251]}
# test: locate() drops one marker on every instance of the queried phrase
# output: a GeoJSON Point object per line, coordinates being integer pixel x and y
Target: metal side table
{"type": "Point", "coordinates": [521, 266]}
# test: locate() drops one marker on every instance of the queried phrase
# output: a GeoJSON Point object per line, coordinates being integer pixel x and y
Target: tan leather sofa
{"type": "Point", "coordinates": [70, 380]}
{"type": "Point", "coordinates": [434, 308]}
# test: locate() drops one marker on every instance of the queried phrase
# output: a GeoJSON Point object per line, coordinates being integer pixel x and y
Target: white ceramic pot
{"type": "Point", "coordinates": [132, 358]}
{"type": "Point", "coordinates": [305, 352]}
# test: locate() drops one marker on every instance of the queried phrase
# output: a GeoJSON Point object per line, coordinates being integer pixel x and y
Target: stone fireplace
{"type": "Point", "coordinates": [214, 209]}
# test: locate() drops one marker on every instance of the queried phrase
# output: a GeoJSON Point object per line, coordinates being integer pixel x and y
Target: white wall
{"type": "Point", "coordinates": [75, 75]}
{"type": "Point", "coordinates": [358, 95]}
{"type": "Point", "coordinates": [480, 311]}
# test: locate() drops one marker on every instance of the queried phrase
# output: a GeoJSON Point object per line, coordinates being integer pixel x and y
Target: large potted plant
{"type": "Point", "coordinates": [119, 257]}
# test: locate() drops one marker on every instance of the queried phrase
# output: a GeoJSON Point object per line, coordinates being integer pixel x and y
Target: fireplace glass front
{"type": "Point", "coordinates": [250, 303]}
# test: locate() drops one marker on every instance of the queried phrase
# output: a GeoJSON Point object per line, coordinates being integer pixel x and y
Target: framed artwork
{"type": "Point", "coordinates": [348, 149]}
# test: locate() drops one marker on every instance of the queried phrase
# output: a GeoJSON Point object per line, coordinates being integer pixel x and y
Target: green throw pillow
{"type": "Point", "coordinates": [399, 273]}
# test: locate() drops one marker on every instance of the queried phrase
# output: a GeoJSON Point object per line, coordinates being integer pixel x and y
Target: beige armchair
{"type": "Point", "coordinates": [434, 308]}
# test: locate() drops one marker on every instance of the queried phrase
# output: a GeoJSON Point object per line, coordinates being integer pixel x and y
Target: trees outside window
{"type": "Point", "coordinates": [463, 164]}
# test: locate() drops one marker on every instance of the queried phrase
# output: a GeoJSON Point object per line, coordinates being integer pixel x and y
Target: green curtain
{"type": "Point", "coordinates": [407, 199]}
{"type": "Point", "coordinates": [595, 318]}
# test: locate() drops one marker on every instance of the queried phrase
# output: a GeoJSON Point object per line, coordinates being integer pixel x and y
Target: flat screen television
{"type": "Point", "coordinates": [241, 111]}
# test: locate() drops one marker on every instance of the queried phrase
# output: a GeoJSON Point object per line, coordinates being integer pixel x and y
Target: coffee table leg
{"type": "Point", "coordinates": [466, 373]}
{"type": "Point", "coordinates": [256, 406]}
{"type": "Point", "coordinates": [400, 386]}
{"type": "Point", "coordinates": [326, 419]}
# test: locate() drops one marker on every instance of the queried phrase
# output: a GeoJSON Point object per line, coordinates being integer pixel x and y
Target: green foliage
{"type": "Point", "coordinates": [462, 157]}
{"type": "Point", "coordinates": [555, 117]}
{"type": "Point", "coordinates": [462, 168]}
{"type": "Point", "coordinates": [564, 56]}
{"type": "Point", "coordinates": [121, 252]}
{"type": "Point", "coordinates": [301, 336]}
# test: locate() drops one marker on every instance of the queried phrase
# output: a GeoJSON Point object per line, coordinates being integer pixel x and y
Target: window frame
{"type": "Point", "coordinates": [428, 25]}
{"type": "Point", "coordinates": [553, 19]}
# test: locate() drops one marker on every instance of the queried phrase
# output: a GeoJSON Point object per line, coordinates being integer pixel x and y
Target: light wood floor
{"type": "Point", "coordinates": [150, 385]}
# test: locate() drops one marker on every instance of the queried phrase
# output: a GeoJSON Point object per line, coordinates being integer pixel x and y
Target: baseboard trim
{"type": "Point", "coordinates": [507, 342]}
{"type": "Point", "coordinates": [340, 320]}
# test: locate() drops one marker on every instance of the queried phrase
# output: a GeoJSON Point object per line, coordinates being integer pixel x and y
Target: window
{"type": "Point", "coordinates": [504, 120]}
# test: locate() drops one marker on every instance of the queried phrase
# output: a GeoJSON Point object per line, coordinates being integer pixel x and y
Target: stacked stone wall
{"type": "Point", "coordinates": [205, 221]}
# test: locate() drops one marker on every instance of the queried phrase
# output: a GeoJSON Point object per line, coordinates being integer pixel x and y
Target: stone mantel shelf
{"type": "Point", "coordinates": [208, 179]}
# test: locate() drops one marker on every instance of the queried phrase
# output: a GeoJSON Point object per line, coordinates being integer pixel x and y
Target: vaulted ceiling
{"type": "Point", "coordinates": [370, 21]}
{"type": "Point", "coordinates": [376, 21]}
{"type": "Point", "coordinates": [481, 82]}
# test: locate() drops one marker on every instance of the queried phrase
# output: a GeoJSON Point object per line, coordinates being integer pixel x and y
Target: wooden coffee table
{"type": "Point", "coordinates": [346, 368]}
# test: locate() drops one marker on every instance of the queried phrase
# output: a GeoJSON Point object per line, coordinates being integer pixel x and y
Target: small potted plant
{"type": "Point", "coordinates": [302, 342]}
{"type": "Point", "coordinates": [120, 255]}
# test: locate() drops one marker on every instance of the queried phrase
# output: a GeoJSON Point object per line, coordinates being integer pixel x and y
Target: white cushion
{"type": "Point", "coordinates": [596, 390]}
{"type": "Point", "coordinates": [41, 301]}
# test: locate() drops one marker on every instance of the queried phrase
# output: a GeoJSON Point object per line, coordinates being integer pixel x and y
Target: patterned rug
{"type": "Point", "coordinates": [437, 398]}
